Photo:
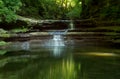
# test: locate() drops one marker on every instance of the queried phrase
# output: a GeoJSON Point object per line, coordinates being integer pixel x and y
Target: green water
{"type": "Point", "coordinates": [67, 62]}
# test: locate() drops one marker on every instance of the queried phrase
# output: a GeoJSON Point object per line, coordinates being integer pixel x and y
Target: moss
{"type": "Point", "coordinates": [18, 30]}
{"type": "Point", "coordinates": [3, 43]}
{"type": "Point", "coordinates": [116, 41]}
{"type": "Point", "coordinates": [113, 28]}
{"type": "Point", "coordinates": [2, 52]}
{"type": "Point", "coordinates": [111, 33]}
{"type": "Point", "coordinates": [4, 33]}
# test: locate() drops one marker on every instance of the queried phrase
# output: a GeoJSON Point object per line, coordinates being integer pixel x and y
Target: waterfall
{"type": "Point", "coordinates": [58, 40]}
{"type": "Point", "coordinates": [71, 25]}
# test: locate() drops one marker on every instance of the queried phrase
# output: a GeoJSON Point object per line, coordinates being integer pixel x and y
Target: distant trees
{"type": "Point", "coordinates": [101, 9]}
{"type": "Point", "coordinates": [111, 10]}
{"type": "Point", "coordinates": [60, 9]}
{"type": "Point", "coordinates": [8, 9]}
{"type": "Point", "coordinates": [51, 9]}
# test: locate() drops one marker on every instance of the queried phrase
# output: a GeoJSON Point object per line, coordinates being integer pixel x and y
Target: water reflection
{"type": "Point", "coordinates": [63, 70]}
{"type": "Point", "coordinates": [57, 51]}
{"type": "Point", "coordinates": [99, 54]}
{"type": "Point", "coordinates": [20, 46]}
{"type": "Point", "coordinates": [76, 63]}
{"type": "Point", "coordinates": [50, 68]}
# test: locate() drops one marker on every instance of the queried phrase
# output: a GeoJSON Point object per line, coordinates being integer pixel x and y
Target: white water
{"type": "Point", "coordinates": [71, 25]}
{"type": "Point", "coordinates": [56, 44]}
{"type": "Point", "coordinates": [58, 40]}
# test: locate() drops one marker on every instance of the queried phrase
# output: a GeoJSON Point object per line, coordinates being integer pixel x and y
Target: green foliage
{"type": "Point", "coordinates": [8, 9]}
{"type": "Point", "coordinates": [60, 9]}
{"type": "Point", "coordinates": [75, 11]}
{"type": "Point", "coordinates": [51, 9]}
{"type": "Point", "coordinates": [102, 9]}
{"type": "Point", "coordinates": [50, 12]}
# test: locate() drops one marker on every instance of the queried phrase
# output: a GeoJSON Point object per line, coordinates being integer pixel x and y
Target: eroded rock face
{"type": "Point", "coordinates": [51, 26]}
{"type": "Point", "coordinates": [12, 25]}
{"type": "Point", "coordinates": [84, 24]}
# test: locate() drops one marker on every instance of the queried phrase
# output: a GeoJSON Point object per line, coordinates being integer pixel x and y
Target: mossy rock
{"type": "Point", "coordinates": [2, 43]}
{"type": "Point", "coordinates": [2, 52]}
{"type": "Point", "coordinates": [4, 33]}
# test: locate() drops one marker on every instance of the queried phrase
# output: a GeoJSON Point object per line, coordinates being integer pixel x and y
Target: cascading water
{"type": "Point", "coordinates": [56, 43]}
{"type": "Point", "coordinates": [57, 39]}
{"type": "Point", "coordinates": [71, 25]}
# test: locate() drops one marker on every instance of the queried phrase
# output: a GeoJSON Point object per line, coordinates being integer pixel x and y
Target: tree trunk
{"type": "Point", "coordinates": [83, 9]}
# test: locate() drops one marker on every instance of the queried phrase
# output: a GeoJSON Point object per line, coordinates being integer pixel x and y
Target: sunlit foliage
{"type": "Point", "coordinates": [60, 9]}
{"type": "Point", "coordinates": [51, 9]}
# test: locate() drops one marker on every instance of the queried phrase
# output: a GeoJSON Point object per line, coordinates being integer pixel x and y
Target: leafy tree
{"type": "Point", "coordinates": [75, 11]}
{"type": "Point", "coordinates": [101, 9]}
{"type": "Point", "coordinates": [8, 9]}
{"type": "Point", "coordinates": [51, 9]}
